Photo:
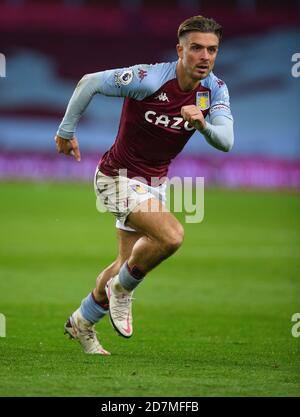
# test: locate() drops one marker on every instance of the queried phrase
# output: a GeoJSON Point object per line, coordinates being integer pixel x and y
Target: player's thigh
{"type": "Point", "coordinates": [126, 241]}
{"type": "Point", "coordinates": [151, 218]}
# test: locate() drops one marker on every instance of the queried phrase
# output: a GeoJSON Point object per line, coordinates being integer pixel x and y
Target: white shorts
{"type": "Point", "coordinates": [120, 195]}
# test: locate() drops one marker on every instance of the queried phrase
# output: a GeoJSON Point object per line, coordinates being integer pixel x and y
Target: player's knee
{"type": "Point", "coordinates": [173, 240]}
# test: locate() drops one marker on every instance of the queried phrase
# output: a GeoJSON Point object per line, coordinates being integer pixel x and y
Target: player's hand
{"type": "Point", "coordinates": [68, 147]}
{"type": "Point", "coordinates": [194, 116]}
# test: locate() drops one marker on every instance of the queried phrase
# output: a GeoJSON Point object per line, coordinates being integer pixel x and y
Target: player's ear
{"type": "Point", "coordinates": [179, 49]}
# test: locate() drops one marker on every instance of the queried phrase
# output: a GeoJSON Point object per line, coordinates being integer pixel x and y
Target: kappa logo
{"type": "Point", "coordinates": [163, 97]}
{"type": "Point", "coordinates": [142, 74]}
{"type": "Point", "coordinates": [220, 83]}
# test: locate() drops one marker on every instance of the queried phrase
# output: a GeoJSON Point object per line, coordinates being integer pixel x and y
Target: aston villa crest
{"type": "Point", "coordinates": [202, 100]}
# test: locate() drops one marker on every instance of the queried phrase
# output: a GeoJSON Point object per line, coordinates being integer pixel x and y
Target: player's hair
{"type": "Point", "coordinates": [200, 24]}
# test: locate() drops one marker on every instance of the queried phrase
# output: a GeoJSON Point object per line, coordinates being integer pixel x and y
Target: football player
{"type": "Point", "coordinates": [164, 104]}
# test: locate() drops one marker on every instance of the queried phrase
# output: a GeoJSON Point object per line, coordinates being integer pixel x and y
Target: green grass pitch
{"type": "Point", "coordinates": [213, 320]}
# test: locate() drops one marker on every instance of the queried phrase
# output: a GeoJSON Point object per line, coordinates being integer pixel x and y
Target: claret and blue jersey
{"type": "Point", "coordinates": [152, 131]}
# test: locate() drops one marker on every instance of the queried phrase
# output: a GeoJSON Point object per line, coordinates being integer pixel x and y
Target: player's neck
{"type": "Point", "coordinates": [185, 82]}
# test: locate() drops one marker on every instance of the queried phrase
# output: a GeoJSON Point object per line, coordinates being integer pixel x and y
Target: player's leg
{"type": "Point", "coordinates": [80, 324]}
{"type": "Point", "coordinates": [139, 206]}
{"type": "Point", "coordinates": [162, 236]}
{"type": "Point", "coordinates": [126, 241]}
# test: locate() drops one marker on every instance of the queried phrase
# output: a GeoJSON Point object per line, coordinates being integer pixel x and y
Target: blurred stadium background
{"type": "Point", "coordinates": [50, 45]}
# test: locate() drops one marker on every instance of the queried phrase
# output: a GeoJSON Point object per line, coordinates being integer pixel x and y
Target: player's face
{"type": "Point", "coordinates": [198, 52]}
